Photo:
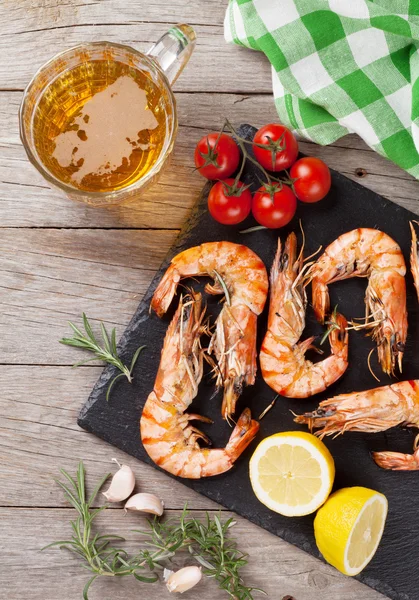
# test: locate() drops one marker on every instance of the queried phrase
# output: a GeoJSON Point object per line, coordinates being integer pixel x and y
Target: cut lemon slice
{"type": "Point", "coordinates": [348, 528]}
{"type": "Point", "coordinates": [292, 473]}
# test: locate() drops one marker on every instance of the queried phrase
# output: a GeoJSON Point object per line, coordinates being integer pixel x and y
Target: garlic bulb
{"type": "Point", "coordinates": [148, 503]}
{"type": "Point", "coordinates": [182, 580]}
{"type": "Point", "coordinates": [122, 484]}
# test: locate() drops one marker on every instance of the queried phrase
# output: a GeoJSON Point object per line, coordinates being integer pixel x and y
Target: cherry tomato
{"type": "Point", "coordinates": [274, 207]}
{"type": "Point", "coordinates": [216, 156]}
{"type": "Point", "coordinates": [228, 202]}
{"type": "Point", "coordinates": [312, 177]}
{"type": "Point", "coordinates": [280, 148]}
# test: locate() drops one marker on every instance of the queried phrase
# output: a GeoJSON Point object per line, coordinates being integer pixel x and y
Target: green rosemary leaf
{"type": "Point", "coordinates": [83, 362]}
{"type": "Point", "coordinates": [70, 479]}
{"type": "Point", "coordinates": [60, 543]}
{"type": "Point", "coordinates": [105, 338]}
{"type": "Point", "coordinates": [87, 586]}
{"type": "Point", "coordinates": [70, 496]}
{"type": "Point", "coordinates": [73, 342]}
{"type": "Point", "coordinates": [89, 329]}
{"type": "Point", "coordinates": [144, 579]}
{"type": "Point", "coordinates": [252, 229]}
{"type": "Point", "coordinates": [110, 536]}
{"type": "Point", "coordinates": [202, 561]}
{"type": "Point", "coordinates": [76, 330]}
{"type": "Point", "coordinates": [329, 330]}
{"type": "Point", "coordinates": [108, 393]}
{"type": "Point", "coordinates": [113, 342]}
{"type": "Point", "coordinates": [95, 493]}
{"type": "Point", "coordinates": [81, 485]}
{"type": "Point", "coordinates": [219, 527]}
{"type": "Point", "coordinates": [135, 357]}
{"type": "Point", "coordinates": [224, 287]}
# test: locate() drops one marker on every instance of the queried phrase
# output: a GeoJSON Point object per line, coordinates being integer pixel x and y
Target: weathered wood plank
{"type": "Point", "coordinates": [247, 71]}
{"type": "Point", "coordinates": [28, 15]}
{"type": "Point", "coordinates": [39, 435]}
{"type": "Point", "coordinates": [27, 201]}
{"type": "Point", "coordinates": [273, 564]}
{"type": "Point", "coordinates": [51, 276]}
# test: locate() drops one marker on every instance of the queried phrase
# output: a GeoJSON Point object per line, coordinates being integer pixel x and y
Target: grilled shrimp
{"type": "Point", "coordinates": [282, 358]}
{"type": "Point", "coordinates": [414, 258]}
{"type": "Point", "coordinates": [371, 411]}
{"type": "Point", "coordinates": [373, 254]}
{"type": "Point", "coordinates": [167, 435]}
{"type": "Point", "coordinates": [241, 275]}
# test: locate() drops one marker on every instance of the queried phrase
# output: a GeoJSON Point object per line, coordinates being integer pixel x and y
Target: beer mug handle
{"type": "Point", "coordinates": [173, 50]}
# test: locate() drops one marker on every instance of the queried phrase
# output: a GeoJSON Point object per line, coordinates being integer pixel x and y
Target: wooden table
{"type": "Point", "coordinates": [58, 259]}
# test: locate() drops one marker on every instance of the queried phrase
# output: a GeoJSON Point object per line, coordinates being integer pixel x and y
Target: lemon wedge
{"type": "Point", "coordinates": [292, 473]}
{"type": "Point", "coordinates": [349, 526]}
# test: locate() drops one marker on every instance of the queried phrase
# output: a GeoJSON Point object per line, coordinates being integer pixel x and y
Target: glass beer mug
{"type": "Point", "coordinates": [99, 121]}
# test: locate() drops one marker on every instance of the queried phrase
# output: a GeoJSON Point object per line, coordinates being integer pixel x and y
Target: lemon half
{"type": "Point", "coordinates": [292, 473]}
{"type": "Point", "coordinates": [349, 527]}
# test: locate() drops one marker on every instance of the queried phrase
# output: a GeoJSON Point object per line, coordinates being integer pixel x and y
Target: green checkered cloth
{"type": "Point", "coordinates": [340, 66]}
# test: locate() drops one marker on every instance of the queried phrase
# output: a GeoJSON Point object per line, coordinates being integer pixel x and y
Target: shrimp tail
{"type": "Point", "coordinates": [232, 391]}
{"type": "Point", "coordinates": [320, 299]}
{"type": "Point", "coordinates": [165, 291]}
{"type": "Point", "coordinates": [243, 433]}
{"type": "Point", "coordinates": [397, 461]}
{"type": "Point", "coordinates": [234, 345]}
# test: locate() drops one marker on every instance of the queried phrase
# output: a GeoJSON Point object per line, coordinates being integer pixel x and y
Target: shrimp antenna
{"type": "Point", "coordinates": [304, 274]}
{"type": "Point", "coordinates": [300, 256]}
{"type": "Point", "coordinates": [268, 408]}
{"type": "Point", "coordinates": [303, 246]}
{"type": "Point", "coordinates": [314, 254]}
{"type": "Point", "coordinates": [369, 365]}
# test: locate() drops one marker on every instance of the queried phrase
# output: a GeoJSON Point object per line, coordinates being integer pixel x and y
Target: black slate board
{"type": "Point", "coordinates": [394, 571]}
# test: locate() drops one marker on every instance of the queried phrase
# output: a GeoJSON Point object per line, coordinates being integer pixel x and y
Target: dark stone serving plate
{"type": "Point", "coordinates": [394, 570]}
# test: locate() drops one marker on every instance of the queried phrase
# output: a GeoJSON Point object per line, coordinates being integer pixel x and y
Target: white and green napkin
{"type": "Point", "coordinates": [340, 66]}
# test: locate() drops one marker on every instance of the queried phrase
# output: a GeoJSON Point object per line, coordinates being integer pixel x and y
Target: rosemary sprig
{"type": "Point", "coordinates": [108, 352]}
{"type": "Point", "coordinates": [95, 550]}
{"type": "Point", "coordinates": [208, 543]}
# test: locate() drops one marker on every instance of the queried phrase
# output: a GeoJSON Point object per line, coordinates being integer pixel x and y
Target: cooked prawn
{"type": "Point", "coordinates": [373, 254]}
{"type": "Point", "coordinates": [167, 435]}
{"type": "Point", "coordinates": [282, 357]}
{"type": "Point", "coordinates": [241, 275]}
{"type": "Point", "coordinates": [371, 411]}
{"type": "Point", "coordinates": [414, 258]}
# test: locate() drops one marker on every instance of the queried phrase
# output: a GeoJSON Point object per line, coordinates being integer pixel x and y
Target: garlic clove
{"type": "Point", "coordinates": [183, 580]}
{"type": "Point", "coordinates": [122, 485]}
{"type": "Point", "coordinates": [143, 502]}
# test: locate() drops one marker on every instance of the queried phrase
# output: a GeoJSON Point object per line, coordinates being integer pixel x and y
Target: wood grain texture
{"type": "Point", "coordinates": [291, 571]}
{"type": "Point", "coordinates": [49, 276]}
{"type": "Point", "coordinates": [27, 201]}
{"type": "Point", "coordinates": [58, 258]}
{"type": "Point", "coordinates": [39, 435]}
